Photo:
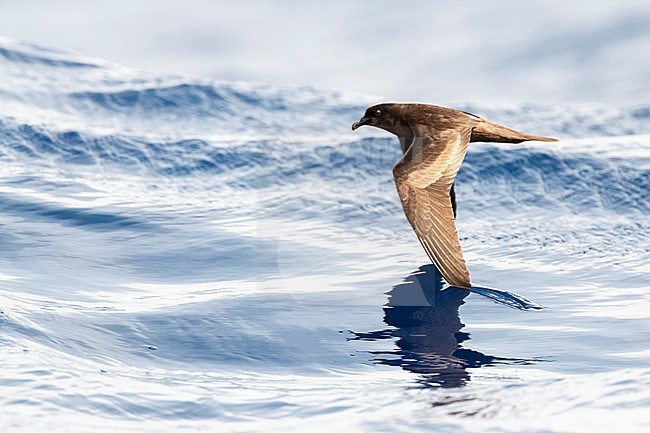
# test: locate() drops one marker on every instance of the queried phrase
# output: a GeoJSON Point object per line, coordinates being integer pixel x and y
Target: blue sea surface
{"type": "Point", "coordinates": [179, 254]}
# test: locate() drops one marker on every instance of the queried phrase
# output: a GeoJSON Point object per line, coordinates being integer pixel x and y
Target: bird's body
{"type": "Point", "coordinates": [434, 141]}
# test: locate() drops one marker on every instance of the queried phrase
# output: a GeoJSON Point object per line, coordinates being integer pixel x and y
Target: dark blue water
{"type": "Point", "coordinates": [178, 254]}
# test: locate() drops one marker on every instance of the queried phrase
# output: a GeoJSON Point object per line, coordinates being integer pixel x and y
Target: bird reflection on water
{"type": "Point", "coordinates": [426, 323]}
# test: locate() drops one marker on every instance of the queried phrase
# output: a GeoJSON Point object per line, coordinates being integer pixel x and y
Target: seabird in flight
{"type": "Point", "coordinates": [434, 141]}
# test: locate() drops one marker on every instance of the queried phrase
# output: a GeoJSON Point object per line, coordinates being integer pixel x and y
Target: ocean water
{"type": "Point", "coordinates": [180, 254]}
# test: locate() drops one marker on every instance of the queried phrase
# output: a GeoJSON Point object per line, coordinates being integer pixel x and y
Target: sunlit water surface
{"type": "Point", "coordinates": [179, 255]}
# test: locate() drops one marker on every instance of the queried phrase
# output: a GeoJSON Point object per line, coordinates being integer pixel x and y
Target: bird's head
{"type": "Point", "coordinates": [384, 116]}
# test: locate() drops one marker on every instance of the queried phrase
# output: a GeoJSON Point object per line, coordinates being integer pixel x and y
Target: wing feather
{"type": "Point", "coordinates": [424, 177]}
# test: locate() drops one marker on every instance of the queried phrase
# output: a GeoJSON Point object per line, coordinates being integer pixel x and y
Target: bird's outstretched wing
{"type": "Point", "coordinates": [424, 177]}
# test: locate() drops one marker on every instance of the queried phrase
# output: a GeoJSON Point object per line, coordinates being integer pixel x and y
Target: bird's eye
{"type": "Point", "coordinates": [378, 113]}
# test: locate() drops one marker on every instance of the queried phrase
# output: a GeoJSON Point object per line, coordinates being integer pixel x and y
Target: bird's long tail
{"type": "Point", "coordinates": [491, 132]}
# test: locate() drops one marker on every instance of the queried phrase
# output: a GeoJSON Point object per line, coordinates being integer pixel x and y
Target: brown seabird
{"type": "Point", "coordinates": [434, 141]}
